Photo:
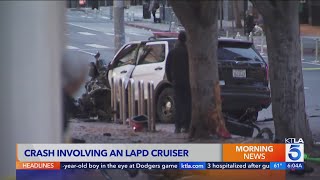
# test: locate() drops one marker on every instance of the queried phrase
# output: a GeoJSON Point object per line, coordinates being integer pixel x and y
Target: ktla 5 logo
{"type": "Point", "coordinates": [294, 150]}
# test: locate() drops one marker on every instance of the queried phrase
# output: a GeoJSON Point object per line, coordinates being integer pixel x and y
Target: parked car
{"type": "Point", "coordinates": [243, 74]}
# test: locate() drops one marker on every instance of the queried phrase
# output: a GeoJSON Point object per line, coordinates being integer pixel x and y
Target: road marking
{"type": "Point", "coordinates": [86, 33]}
{"type": "Point", "coordinates": [310, 69]}
{"type": "Point", "coordinates": [311, 63]}
{"type": "Point", "coordinates": [71, 47]}
{"type": "Point", "coordinates": [87, 52]}
{"type": "Point", "coordinates": [135, 34]}
{"type": "Point", "coordinates": [104, 17]}
{"type": "Point", "coordinates": [82, 27]}
{"type": "Point", "coordinates": [97, 46]}
{"type": "Point", "coordinates": [110, 34]}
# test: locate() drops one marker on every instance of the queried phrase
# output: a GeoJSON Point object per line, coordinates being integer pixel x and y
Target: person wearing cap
{"type": "Point", "coordinates": [177, 71]}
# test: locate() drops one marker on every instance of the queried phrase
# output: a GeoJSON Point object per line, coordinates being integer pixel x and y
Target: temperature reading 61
{"type": "Point", "coordinates": [277, 165]}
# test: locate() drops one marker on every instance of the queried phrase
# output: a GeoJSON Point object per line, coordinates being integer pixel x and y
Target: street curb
{"type": "Point", "coordinates": [77, 9]}
{"type": "Point", "coordinates": [144, 27]}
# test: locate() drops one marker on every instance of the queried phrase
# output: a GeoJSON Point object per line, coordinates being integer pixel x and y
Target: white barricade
{"type": "Point", "coordinates": [125, 99]}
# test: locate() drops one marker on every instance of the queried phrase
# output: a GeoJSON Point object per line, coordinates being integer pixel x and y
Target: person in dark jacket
{"type": "Point", "coordinates": [249, 23]}
{"type": "Point", "coordinates": [177, 72]}
{"type": "Point", "coordinates": [154, 6]}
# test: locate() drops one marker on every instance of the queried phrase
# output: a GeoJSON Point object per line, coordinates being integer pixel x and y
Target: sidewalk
{"type": "Point", "coordinates": [308, 30]}
{"type": "Point", "coordinates": [134, 17]}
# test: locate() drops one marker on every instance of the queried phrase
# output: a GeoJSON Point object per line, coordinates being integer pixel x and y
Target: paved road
{"type": "Point", "coordinates": [88, 34]}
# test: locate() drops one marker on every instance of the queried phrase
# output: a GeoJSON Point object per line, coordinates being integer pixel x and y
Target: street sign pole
{"type": "Point", "coordinates": [119, 34]}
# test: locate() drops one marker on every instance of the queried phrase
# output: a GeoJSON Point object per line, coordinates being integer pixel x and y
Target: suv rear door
{"type": "Point", "coordinates": [240, 65]}
{"type": "Point", "coordinates": [151, 63]}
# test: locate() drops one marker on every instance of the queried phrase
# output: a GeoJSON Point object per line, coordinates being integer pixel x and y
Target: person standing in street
{"type": "Point", "coordinates": [154, 6]}
{"type": "Point", "coordinates": [249, 24]}
{"type": "Point", "coordinates": [177, 71]}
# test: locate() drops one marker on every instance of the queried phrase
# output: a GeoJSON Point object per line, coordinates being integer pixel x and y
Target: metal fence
{"type": "Point", "coordinates": [126, 105]}
{"type": "Point", "coordinates": [260, 44]}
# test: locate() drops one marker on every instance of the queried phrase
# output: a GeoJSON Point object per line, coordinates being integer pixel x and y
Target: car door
{"type": "Point", "coordinates": [151, 63]}
{"type": "Point", "coordinates": [124, 62]}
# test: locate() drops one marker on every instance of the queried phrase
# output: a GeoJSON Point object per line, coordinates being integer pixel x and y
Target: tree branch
{"type": "Point", "coordinates": [208, 12]}
{"type": "Point", "coordinates": [265, 7]}
{"type": "Point", "coordinates": [180, 8]}
{"type": "Point", "coordinates": [272, 9]}
{"type": "Point", "coordinates": [285, 6]}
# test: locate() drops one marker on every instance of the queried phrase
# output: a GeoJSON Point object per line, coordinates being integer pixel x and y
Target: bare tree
{"type": "Point", "coordinates": [281, 20]}
{"type": "Point", "coordinates": [199, 18]}
{"type": "Point", "coordinates": [237, 13]}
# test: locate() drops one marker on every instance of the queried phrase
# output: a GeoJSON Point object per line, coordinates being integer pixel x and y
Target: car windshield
{"type": "Point", "coordinates": [237, 51]}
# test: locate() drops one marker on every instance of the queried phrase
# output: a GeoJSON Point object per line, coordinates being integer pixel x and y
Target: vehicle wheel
{"type": "Point", "coordinates": [166, 106]}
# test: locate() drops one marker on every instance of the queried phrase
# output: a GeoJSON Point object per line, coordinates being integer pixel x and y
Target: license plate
{"type": "Point", "coordinates": [239, 73]}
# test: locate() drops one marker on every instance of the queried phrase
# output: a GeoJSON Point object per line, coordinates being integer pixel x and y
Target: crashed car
{"type": "Point", "coordinates": [243, 75]}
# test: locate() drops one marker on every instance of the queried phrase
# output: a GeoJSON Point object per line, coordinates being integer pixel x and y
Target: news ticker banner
{"type": "Point", "coordinates": [161, 165]}
{"type": "Point", "coordinates": [161, 156]}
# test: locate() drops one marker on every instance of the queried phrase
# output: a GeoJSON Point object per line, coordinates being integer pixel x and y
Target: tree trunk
{"type": "Point", "coordinates": [203, 72]}
{"type": "Point", "coordinates": [286, 78]}
{"type": "Point", "coordinates": [237, 13]}
{"type": "Point", "coordinates": [200, 21]}
{"type": "Point", "coordinates": [119, 36]}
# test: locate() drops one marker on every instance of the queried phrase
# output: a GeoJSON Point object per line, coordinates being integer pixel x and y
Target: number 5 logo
{"type": "Point", "coordinates": [294, 152]}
